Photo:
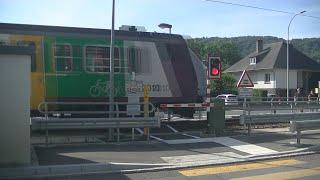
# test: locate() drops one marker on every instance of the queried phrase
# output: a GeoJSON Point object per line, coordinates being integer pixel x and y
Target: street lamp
{"type": "Point", "coordinates": [111, 91]}
{"type": "Point", "coordinates": [165, 25]}
{"type": "Point", "coordinates": [288, 54]}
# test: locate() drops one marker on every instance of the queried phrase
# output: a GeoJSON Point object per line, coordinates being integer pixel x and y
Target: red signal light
{"type": "Point", "coordinates": [215, 71]}
{"type": "Point", "coordinates": [214, 67]}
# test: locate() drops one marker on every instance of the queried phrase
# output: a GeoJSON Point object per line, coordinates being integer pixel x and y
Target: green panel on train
{"type": "Point", "coordinates": [72, 67]}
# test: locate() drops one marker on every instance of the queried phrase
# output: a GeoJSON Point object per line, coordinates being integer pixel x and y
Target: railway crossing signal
{"type": "Point", "coordinates": [214, 67]}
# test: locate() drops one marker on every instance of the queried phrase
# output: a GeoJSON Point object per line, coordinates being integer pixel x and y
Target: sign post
{"type": "Point", "coordinates": [146, 108]}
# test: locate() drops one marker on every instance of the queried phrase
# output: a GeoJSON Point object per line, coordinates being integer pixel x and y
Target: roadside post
{"type": "Point", "coordinates": [146, 109]}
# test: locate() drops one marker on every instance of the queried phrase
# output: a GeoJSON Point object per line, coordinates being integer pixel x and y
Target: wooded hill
{"type": "Point", "coordinates": [239, 47]}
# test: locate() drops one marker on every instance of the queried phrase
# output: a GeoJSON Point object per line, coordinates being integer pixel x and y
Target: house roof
{"type": "Point", "coordinates": [274, 56]}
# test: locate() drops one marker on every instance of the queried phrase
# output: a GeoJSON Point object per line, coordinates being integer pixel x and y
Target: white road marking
{"type": "Point", "coordinates": [243, 146]}
{"type": "Point", "coordinates": [159, 139]}
{"type": "Point", "coordinates": [229, 142]}
{"type": "Point", "coordinates": [141, 164]}
{"type": "Point", "coordinates": [170, 127]}
{"type": "Point", "coordinates": [154, 137]}
{"type": "Point", "coordinates": [188, 141]}
{"type": "Point", "coordinates": [191, 136]}
{"type": "Point", "coordinates": [201, 158]}
{"type": "Point", "coordinates": [139, 130]}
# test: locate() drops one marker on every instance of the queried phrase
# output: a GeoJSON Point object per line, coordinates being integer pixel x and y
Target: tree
{"type": "Point", "coordinates": [247, 44]}
{"type": "Point", "coordinates": [227, 49]}
{"type": "Point", "coordinates": [226, 85]}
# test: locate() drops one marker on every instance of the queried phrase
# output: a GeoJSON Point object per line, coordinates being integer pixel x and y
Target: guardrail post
{"type": "Point", "coordinates": [298, 137]}
{"type": "Point", "coordinates": [244, 106]}
{"type": "Point", "coordinates": [169, 114]}
{"type": "Point", "coordinates": [291, 106]}
{"type": "Point", "coordinates": [273, 108]}
{"type": "Point", "coordinates": [148, 134]}
{"type": "Point", "coordinates": [47, 138]}
{"type": "Point", "coordinates": [132, 134]}
{"type": "Point", "coordinates": [46, 116]}
{"type": "Point", "coordinates": [118, 135]}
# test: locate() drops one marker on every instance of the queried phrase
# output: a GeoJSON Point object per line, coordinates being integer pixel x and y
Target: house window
{"type": "Point", "coordinates": [62, 57]}
{"type": "Point", "coordinates": [98, 59]}
{"type": "Point", "coordinates": [267, 79]}
{"type": "Point", "coordinates": [253, 60]}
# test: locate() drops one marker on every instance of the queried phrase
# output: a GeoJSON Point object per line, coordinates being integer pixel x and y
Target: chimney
{"type": "Point", "coordinates": [259, 46]}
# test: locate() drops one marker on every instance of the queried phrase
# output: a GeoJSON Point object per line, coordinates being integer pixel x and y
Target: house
{"type": "Point", "coordinates": [267, 68]}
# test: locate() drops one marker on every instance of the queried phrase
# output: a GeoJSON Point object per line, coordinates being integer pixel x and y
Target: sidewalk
{"type": "Point", "coordinates": [72, 159]}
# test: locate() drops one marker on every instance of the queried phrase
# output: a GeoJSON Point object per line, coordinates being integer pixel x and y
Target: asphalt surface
{"type": "Point", "coordinates": [152, 152]}
{"type": "Point", "coordinates": [171, 152]}
{"type": "Point", "coordinates": [298, 167]}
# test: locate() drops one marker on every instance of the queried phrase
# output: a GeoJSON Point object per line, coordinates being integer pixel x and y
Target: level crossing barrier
{"type": "Point", "coordinates": [83, 119]}
{"type": "Point", "coordinates": [248, 120]}
{"type": "Point", "coordinates": [303, 125]}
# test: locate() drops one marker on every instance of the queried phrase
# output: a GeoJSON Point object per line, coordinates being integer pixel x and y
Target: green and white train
{"type": "Point", "coordinates": [72, 64]}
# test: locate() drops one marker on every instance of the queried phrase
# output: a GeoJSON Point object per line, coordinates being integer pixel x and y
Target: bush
{"type": "Point", "coordinates": [259, 94]}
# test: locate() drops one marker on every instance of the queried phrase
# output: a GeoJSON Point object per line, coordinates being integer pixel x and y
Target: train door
{"type": "Point", "coordinates": [37, 74]}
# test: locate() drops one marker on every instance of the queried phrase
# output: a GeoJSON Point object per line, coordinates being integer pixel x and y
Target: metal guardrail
{"type": "Point", "coordinates": [302, 126]}
{"type": "Point", "coordinates": [39, 123]}
{"type": "Point", "coordinates": [273, 106]}
{"type": "Point", "coordinates": [275, 118]}
{"type": "Point", "coordinates": [48, 108]}
{"type": "Point", "coordinates": [57, 123]}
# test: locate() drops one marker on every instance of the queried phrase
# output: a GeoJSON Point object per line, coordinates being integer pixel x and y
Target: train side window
{"type": "Point", "coordinates": [33, 58]}
{"type": "Point", "coordinates": [62, 57]}
{"type": "Point", "coordinates": [98, 59]}
{"type": "Point", "coordinates": [134, 60]}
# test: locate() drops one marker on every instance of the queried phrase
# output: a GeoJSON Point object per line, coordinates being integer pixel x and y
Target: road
{"type": "Point", "coordinates": [299, 167]}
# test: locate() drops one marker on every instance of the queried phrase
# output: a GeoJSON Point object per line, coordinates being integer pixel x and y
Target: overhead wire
{"type": "Point", "coordinates": [261, 8]}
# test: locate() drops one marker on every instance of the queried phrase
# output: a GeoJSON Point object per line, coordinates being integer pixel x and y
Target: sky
{"type": "Point", "coordinates": [196, 18]}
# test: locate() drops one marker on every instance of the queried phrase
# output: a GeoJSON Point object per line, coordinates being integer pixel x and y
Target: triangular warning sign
{"type": "Point", "coordinates": [245, 80]}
